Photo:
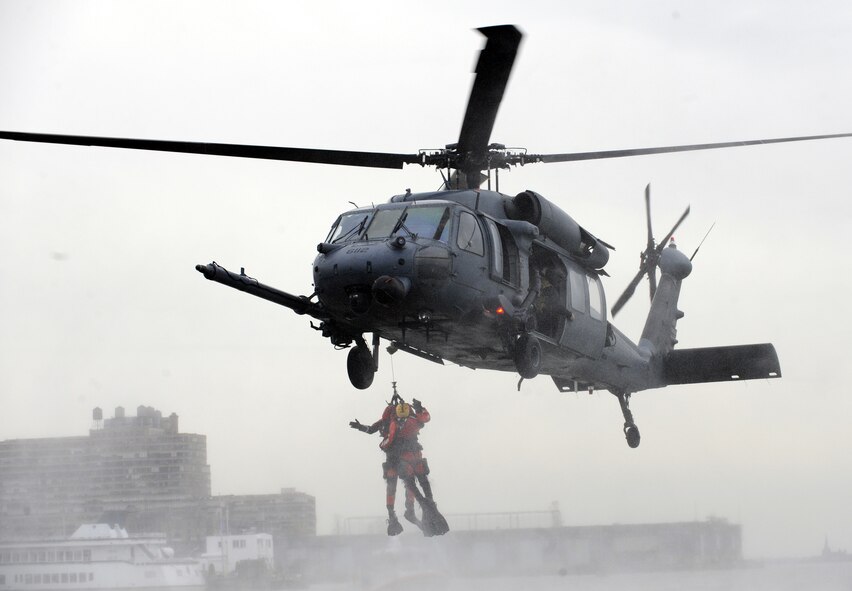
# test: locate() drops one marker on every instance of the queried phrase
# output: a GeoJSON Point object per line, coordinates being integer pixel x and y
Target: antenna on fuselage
{"type": "Point", "coordinates": [702, 241]}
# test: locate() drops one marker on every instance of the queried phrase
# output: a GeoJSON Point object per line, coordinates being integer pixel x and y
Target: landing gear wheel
{"type": "Point", "coordinates": [360, 366]}
{"type": "Point", "coordinates": [527, 355]}
{"type": "Point", "coordinates": [631, 432]}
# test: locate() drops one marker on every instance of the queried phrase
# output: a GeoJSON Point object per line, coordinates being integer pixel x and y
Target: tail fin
{"type": "Point", "coordinates": [659, 334]}
{"type": "Point", "coordinates": [693, 366]}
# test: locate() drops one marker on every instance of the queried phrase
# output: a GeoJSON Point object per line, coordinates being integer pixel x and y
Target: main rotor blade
{"type": "Point", "coordinates": [492, 75]}
{"type": "Point", "coordinates": [648, 216]}
{"type": "Point", "coordinates": [628, 292]}
{"type": "Point", "coordinates": [668, 149]}
{"type": "Point", "coordinates": [341, 157]}
{"type": "Point", "coordinates": [665, 240]}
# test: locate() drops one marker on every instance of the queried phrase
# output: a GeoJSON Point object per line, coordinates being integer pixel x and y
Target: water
{"type": "Point", "coordinates": [788, 576]}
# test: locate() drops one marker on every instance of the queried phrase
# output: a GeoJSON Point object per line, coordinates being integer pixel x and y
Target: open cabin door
{"type": "Point", "coordinates": [585, 331]}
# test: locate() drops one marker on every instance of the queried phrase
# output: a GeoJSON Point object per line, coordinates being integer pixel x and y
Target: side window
{"type": "Point", "coordinates": [578, 290]}
{"type": "Point", "coordinates": [595, 303]}
{"type": "Point", "coordinates": [470, 235]}
{"type": "Point", "coordinates": [505, 253]}
{"type": "Point", "coordinates": [496, 248]}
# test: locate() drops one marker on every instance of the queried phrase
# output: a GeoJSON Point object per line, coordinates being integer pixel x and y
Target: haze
{"type": "Point", "coordinates": [101, 306]}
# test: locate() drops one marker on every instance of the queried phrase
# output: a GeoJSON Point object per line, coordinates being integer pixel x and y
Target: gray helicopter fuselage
{"type": "Point", "coordinates": [450, 275]}
{"type": "Point", "coordinates": [489, 281]}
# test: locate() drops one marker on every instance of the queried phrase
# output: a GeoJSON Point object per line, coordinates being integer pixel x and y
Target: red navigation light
{"type": "Point", "coordinates": [500, 310]}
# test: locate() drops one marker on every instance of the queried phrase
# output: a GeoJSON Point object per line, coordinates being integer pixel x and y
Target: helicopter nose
{"type": "Point", "coordinates": [359, 301]}
{"type": "Point", "coordinates": [390, 291]}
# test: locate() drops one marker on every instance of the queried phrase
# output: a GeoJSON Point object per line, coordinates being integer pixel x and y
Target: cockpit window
{"type": "Point", "coordinates": [424, 222]}
{"type": "Point", "coordinates": [428, 222]}
{"type": "Point", "coordinates": [383, 224]}
{"type": "Point", "coordinates": [470, 235]}
{"type": "Point", "coordinates": [348, 226]}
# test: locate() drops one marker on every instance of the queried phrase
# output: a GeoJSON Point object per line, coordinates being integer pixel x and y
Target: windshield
{"type": "Point", "coordinates": [348, 226]}
{"type": "Point", "coordinates": [423, 222]}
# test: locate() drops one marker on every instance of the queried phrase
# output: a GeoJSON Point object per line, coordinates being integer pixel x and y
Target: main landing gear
{"type": "Point", "coordinates": [527, 356]}
{"type": "Point", "coordinates": [631, 431]}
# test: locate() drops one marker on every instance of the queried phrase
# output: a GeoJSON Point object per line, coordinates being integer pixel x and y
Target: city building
{"type": "Point", "coordinates": [139, 471]}
{"type": "Point", "coordinates": [289, 513]}
{"type": "Point", "coordinates": [224, 552]}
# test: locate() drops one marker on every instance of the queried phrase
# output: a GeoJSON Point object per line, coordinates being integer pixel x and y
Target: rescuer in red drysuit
{"type": "Point", "coordinates": [399, 426]}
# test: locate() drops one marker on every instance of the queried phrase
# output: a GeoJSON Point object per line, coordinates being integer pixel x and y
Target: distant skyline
{"type": "Point", "coordinates": [101, 306]}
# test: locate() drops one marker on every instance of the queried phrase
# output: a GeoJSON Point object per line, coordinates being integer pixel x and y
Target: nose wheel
{"type": "Point", "coordinates": [361, 366]}
{"type": "Point", "coordinates": [631, 431]}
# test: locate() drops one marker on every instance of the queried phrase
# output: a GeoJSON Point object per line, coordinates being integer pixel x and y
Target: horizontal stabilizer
{"type": "Point", "coordinates": [721, 364]}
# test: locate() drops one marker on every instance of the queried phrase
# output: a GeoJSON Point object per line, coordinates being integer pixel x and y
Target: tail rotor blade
{"type": "Point", "coordinates": [628, 292]}
{"type": "Point", "coordinates": [650, 256]}
{"type": "Point", "coordinates": [648, 216]}
{"type": "Point", "coordinates": [652, 281]}
{"type": "Point", "coordinates": [665, 240]}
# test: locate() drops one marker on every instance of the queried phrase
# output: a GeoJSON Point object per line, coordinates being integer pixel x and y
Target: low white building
{"type": "Point", "coordinates": [226, 550]}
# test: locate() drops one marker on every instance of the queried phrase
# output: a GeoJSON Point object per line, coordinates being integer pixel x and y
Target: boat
{"type": "Point", "coordinates": [97, 556]}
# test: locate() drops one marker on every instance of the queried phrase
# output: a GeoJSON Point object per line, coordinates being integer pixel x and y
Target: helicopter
{"type": "Point", "coordinates": [485, 280]}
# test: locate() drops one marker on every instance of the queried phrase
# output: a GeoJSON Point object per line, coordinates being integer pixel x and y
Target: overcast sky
{"type": "Point", "coordinates": [100, 304]}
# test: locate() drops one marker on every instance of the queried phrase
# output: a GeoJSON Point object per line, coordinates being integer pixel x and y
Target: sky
{"type": "Point", "coordinates": [101, 306]}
